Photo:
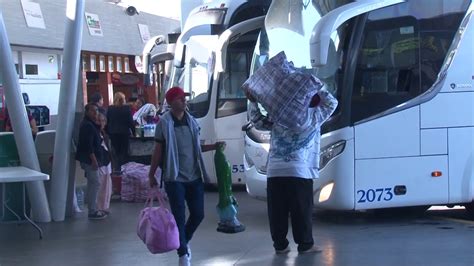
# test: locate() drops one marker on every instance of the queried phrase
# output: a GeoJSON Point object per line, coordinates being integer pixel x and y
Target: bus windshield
{"type": "Point", "coordinates": [196, 74]}
{"type": "Point", "coordinates": [288, 28]}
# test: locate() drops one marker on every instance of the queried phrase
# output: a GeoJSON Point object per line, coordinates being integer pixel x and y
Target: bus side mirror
{"type": "Point", "coordinates": [180, 56]}
{"type": "Point", "coordinates": [247, 126]}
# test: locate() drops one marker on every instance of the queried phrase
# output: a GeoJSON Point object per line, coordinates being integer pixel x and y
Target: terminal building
{"type": "Point", "coordinates": [113, 40]}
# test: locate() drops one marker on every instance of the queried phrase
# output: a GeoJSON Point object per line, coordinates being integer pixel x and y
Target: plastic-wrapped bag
{"type": "Point", "coordinates": [135, 186]}
{"type": "Point", "coordinates": [290, 109]}
{"type": "Point", "coordinates": [157, 227]}
{"type": "Point", "coordinates": [283, 91]}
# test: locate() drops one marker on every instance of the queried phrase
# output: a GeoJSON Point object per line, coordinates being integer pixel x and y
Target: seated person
{"type": "Point", "coordinates": [31, 119]}
{"type": "Point", "coordinates": [145, 114]}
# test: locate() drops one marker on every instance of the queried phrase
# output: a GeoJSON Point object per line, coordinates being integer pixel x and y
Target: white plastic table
{"type": "Point", "coordinates": [21, 174]}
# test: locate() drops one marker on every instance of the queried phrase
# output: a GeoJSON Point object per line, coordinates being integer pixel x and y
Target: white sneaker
{"type": "Point", "coordinates": [313, 249]}
{"type": "Point", "coordinates": [185, 260]}
{"type": "Point", "coordinates": [189, 251]}
{"type": "Point", "coordinates": [283, 251]}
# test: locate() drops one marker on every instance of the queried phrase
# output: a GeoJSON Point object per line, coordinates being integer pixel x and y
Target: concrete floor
{"type": "Point", "coordinates": [346, 239]}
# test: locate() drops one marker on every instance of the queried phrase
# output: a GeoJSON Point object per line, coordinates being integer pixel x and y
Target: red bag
{"type": "Point", "coordinates": [157, 226]}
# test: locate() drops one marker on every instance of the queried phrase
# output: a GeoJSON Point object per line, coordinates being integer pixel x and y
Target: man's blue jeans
{"type": "Point", "coordinates": [193, 194]}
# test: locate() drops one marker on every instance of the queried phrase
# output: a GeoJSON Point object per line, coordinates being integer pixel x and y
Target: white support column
{"type": "Point", "coordinates": [21, 127]}
{"type": "Point", "coordinates": [67, 107]}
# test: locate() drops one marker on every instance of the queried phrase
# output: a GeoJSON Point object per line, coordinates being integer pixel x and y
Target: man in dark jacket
{"type": "Point", "coordinates": [88, 154]}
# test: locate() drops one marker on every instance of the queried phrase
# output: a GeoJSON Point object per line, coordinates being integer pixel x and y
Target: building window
{"type": "Point", "coordinates": [110, 61]}
{"type": "Point", "coordinates": [119, 64]}
{"type": "Point", "coordinates": [85, 63]}
{"type": "Point", "coordinates": [31, 69]}
{"type": "Point", "coordinates": [93, 61]}
{"type": "Point", "coordinates": [126, 63]}
{"type": "Point", "coordinates": [102, 63]}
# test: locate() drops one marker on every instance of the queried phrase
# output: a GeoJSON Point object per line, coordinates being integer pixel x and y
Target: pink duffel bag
{"type": "Point", "coordinates": [157, 226]}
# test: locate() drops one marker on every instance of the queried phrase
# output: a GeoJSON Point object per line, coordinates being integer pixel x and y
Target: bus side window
{"type": "Point", "coordinates": [231, 99]}
{"type": "Point", "coordinates": [402, 50]}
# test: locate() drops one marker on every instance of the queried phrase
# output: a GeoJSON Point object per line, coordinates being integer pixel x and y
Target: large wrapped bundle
{"type": "Point", "coordinates": [135, 183]}
{"type": "Point", "coordinates": [284, 91]}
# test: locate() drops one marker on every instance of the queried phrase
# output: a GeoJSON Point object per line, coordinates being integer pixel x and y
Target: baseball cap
{"type": "Point", "coordinates": [175, 93]}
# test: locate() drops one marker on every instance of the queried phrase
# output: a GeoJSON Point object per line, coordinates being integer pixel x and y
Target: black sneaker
{"type": "Point", "coordinates": [98, 215]}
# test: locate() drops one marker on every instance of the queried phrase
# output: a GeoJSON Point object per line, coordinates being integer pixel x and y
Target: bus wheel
{"type": "Point", "coordinates": [470, 209]}
{"type": "Point", "coordinates": [402, 211]}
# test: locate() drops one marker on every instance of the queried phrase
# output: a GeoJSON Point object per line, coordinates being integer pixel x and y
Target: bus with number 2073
{"type": "Point", "coordinates": [403, 132]}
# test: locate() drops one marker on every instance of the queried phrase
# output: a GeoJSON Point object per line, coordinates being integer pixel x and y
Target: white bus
{"type": "Point", "coordinates": [211, 61]}
{"type": "Point", "coordinates": [403, 132]}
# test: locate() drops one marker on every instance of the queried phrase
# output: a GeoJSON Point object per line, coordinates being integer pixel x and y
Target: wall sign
{"type": "Point", "coordinates": [128, 79]}
{"type": "Point", "coordinates": [93, 24]}
{"type": "Point", "coordinates": [144, 32]}
{"type": "Point", "coordinates": [138, 63]}
{"type": "Point", "coordinates": [33, 14]}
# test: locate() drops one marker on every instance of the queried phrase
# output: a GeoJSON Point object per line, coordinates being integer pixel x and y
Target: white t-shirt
{"type": "Point", "coordinates": [294, 154]}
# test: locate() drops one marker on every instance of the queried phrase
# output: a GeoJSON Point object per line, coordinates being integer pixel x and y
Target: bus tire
{"type": "Point", "coordinates": [402, 211]}
{"type": "Point", "coordinates": [469, 209]}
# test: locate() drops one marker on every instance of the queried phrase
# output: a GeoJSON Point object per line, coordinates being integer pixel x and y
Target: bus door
{"type": "Point", "coordinates": [2, 109]}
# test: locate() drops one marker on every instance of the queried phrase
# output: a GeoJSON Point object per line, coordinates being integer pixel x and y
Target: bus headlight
{"type": "Point", "coordinates": [259, 136]}
{"type": "Point", "coordinates": [326, 192]}
{"type": "Point", "coordinates": [330, 152]}
{"type": "Point", "coordinates": [262, 169]}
